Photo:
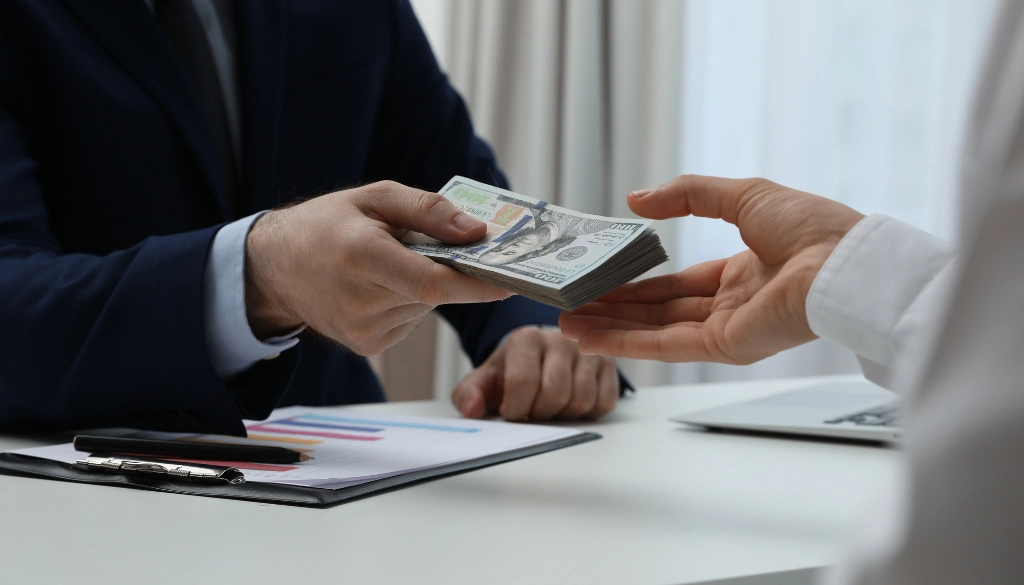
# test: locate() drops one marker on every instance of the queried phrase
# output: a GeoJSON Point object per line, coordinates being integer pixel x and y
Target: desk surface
{"type": "Point", "coordinates": [652, 502]}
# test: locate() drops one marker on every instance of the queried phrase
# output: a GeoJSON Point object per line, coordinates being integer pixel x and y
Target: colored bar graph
{"type": "Point", "coordinates": [389, 423]}
{"type": "Point", "coordinates": [294, 440]}
{"type": "Point", "coordinates": [314, 434]}
{"type": "Point", "coordinates": [324, 425]}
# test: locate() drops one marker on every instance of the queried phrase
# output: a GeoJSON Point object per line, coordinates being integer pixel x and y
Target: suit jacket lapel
{"type": "Point", "coordinates": [262, 45]}
{"type": "Point", "coordinates": [134, 39]}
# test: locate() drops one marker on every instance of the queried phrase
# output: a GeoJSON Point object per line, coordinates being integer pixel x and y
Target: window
{"type": "Point", "coordinates": [862, 101]}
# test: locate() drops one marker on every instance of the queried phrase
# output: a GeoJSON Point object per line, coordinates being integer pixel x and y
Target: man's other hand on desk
{"type": "Point", "coordinates": [334, 264]}
{"type": "Point", "coordinates": [735, 310]}
{"type": "Point", "coordinates": [539, 375]}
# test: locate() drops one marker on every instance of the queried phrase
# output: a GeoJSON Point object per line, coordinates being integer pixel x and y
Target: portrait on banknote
{"type": "Point", "coordinates": [548, 232]}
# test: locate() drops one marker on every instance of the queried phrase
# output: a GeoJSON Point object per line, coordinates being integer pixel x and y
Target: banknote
{"type": "Point", "coordinates": [555, 255]}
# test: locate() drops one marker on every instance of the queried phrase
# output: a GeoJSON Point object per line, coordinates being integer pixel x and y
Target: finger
{"type": "Point", "coordinates": [672, 311]}
{"type": "Point", "coordinates": [470, 396]}
{"type": "Point", "coordinates": [522, 373]}
{"type": "Point", "coordinates": [576, 326]}
{"type": "Point", "coordinates": [712, 197]}
{"type": "Point", "coordinates": [774, 221]}
{"type": "Point", "coordinates": [391, 265]}
{"type": "Point", "coordinates": [668, 344]}
{"type": "Point", "coordinates": [399, 333]}
{"type": "Point", "coordinates": [608, 390]}
{"type": "Point", "coordinates": [405, 207]}
{"type": "Point", "coordinates": [699, 280]}
{"type": "Point", "coordinates": [556, 387]}
{"type": "Point", "coordinates": [375, 345]}
{"type": "Point", "coordinates": [584, 388]}
{"type": "Point", "coordinates": [376, 324]}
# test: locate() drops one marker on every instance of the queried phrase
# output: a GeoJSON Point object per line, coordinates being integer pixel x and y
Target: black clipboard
{"type": "Point", "coordinates": [271, 493]}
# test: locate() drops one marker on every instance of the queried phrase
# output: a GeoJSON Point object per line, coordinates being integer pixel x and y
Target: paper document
{"type": "Point", "coordinates": [349, 449]}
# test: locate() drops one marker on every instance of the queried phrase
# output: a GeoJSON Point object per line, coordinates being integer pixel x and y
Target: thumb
{"type": "Point", "coordinates": [712, 197]}
{"type": "Point", "coordinates": [406, 208]}
{"type": "Point", "coordinates": [471, 395]}
{"type": "Point", "coordinates": [774, 221]}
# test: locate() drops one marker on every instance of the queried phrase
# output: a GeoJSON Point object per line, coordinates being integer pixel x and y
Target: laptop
{"type": "Point", "coordinates": [850, 409]}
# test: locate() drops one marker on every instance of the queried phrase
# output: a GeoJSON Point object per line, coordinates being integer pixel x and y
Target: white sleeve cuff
{"type": "Point", "coordinates": [877, 287]}
{"type": "Point", "coordinates": [230, 342]}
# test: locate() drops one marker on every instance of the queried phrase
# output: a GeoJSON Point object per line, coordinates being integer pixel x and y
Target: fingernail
{"type": "Point", "coordinates": [465, 223]}
{"type": "Point", "coordinates": [641, 193]}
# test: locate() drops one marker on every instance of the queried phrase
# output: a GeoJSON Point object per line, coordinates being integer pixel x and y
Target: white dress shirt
{"type": "Point", "coordinates": [230, 342]}
{"type": "Point", "coordinates": [877, 291]}
{"type": "Point", "coordinates": [948, 333]}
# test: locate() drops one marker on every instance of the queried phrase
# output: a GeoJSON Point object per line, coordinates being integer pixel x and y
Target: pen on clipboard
{"type": "Point", "coordinates": [188, 450]}
{"type": "Point", "coordinates": [164, 470]}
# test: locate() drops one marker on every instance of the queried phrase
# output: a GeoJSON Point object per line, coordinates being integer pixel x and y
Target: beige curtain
{"type": "Point", "coordinates": [579, 98]}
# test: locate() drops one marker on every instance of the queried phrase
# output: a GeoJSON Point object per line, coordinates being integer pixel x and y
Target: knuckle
{"type": "Point", "coordinates": [560, 396]}
{"type": "Point", "coordinates": [603, 407]}
{"type": "Point", "coordinates": [751, 192]}
{"type": "Point", "coordinates": [512, 415]}
{"type": "Point", "coordinates": [429, 291]}
{"type": "Point", "coordinates": [756, 185]}
{"type": "Point", "coordinates": [517, 381]}
{"type": "Point", "coordinates": [557, 387]}
{"type": "Point", "coordinates": [430, 203]}
{"type": "Point", "coordinates": [587, 370]}
{"type": "Point", "coordinates": [385, 186]}
{"type": "Point", "coordinates": [366, 245]}
{"type": "Point", "coordinates": [376, 193]}
{"type": "Point", "coordinates": [514, 379]}
{"type": "Point", "coordinates": [372, 191]}
{"type": "Point", "coordinates": [528, 335]}
{"type": "Point", "coordinates": [682, 181]}
{"type": "Point", "coordinates": [577, 407]}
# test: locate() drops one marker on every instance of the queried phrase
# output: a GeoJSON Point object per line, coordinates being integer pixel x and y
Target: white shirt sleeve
{"type": "Point", "coordinates": [878, 291]}
{"type": "Point", "coordinates": [230, 342]}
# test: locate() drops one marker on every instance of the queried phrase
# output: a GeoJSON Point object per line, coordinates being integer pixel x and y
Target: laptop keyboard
{"type": "Point", "coordinates": [885, 416]}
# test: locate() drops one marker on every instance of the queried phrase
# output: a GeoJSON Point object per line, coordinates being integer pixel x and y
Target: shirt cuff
{"type": "Point", "coordinates": [230, 342]}
{"type": "Point", "coordinates": [875, 286]}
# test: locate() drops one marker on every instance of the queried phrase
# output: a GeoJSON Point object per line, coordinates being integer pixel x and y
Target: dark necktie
{"type": "Point", "coordinates": [184, 30]}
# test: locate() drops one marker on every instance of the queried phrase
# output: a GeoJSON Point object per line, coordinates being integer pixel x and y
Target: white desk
{"type": "Point", "coordinates": [652, 503]}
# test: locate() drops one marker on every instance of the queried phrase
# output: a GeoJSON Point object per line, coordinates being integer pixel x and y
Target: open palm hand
{"type": "Point", "coordinates": [736, 310]}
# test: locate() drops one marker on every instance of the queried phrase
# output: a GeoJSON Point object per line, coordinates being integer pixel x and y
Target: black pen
{"type": "Point", "coordinates": [187, 450]}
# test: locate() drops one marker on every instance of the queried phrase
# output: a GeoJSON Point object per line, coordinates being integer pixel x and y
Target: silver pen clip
{"type": "Point", "coordinates": [174, 471]}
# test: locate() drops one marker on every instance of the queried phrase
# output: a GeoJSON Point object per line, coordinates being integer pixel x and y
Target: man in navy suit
{"type": "Point", "coordinates": [143, 284]}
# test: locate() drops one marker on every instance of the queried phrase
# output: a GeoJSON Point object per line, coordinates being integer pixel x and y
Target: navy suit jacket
{"type": "Point", "coordinates": [110, 197]}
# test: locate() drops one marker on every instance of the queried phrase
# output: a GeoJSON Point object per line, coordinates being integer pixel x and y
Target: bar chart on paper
{"type": "Point", "coordinates": [349, 450]}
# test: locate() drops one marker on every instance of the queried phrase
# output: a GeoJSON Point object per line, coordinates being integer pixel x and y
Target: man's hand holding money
{"type": "Point", "coordinates": [334, 263]}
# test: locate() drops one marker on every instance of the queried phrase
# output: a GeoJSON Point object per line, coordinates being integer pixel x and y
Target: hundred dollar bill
{"type": "Point", "coordinates": [554, 255]}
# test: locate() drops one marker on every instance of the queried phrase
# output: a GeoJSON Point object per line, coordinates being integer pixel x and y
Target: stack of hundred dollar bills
{"type": "Point", "coordinates": [547, 253]}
